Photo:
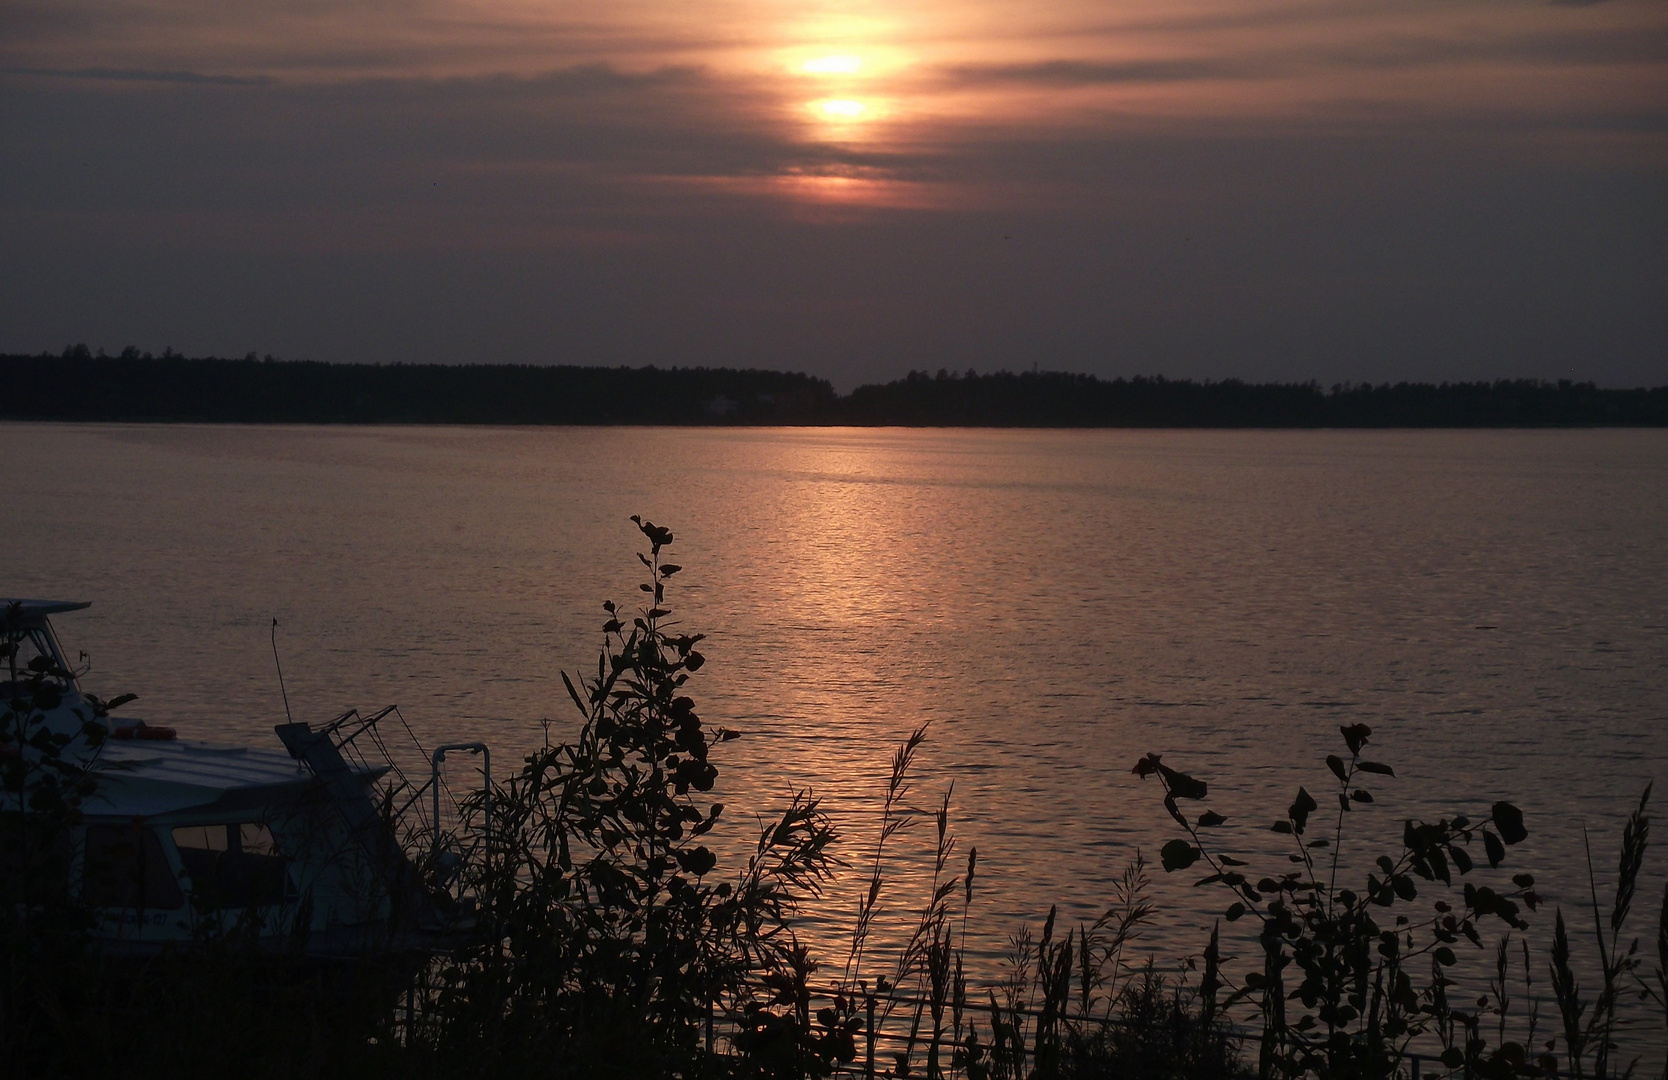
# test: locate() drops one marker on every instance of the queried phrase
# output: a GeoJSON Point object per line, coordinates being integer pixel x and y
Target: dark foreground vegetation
{"type": "Point", "coordinates": [76, 385]}
{"type": "Point", "coordinates": [611, 942]}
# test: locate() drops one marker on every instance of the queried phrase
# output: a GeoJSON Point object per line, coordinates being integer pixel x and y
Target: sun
{"type": "Point", "coordinates": [840, 108]}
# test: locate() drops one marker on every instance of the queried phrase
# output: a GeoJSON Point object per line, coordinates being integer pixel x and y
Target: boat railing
{"type": "Point", "coordinates": [442, 830]}
{"type": "Point", "coordinates": [476, 843]}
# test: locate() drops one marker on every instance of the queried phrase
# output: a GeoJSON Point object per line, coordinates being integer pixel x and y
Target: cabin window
{"type": "Point", "coordinates": [125, 867]}
{"type": "Point", "coordinates": [235, 865]}
{"type": "Point", "coordinates": [26, 652]}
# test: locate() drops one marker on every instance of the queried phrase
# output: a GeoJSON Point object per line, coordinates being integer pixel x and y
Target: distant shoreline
{"type": "Point", "coordinates": [140, 388]}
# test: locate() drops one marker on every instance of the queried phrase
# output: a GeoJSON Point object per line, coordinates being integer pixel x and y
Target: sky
{"type": "Point", "coordinates": [1338, 190]}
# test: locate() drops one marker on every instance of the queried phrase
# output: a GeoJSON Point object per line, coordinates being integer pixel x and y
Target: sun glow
{"type": "Point", "coordinates": [840, 108]}
{"type": "Point", "coordinates": [832, 65]}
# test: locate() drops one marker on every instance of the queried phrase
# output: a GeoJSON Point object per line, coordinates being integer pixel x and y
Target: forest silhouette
{"type": "Point", "coordinates": [76, 385]}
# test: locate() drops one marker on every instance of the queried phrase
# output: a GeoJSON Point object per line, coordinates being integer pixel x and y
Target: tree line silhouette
{"type": "Point", "coordinates": [138, 387]}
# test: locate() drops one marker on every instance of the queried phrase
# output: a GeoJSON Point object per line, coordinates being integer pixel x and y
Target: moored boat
{"type": "Point", "coordinates": [307, 845]}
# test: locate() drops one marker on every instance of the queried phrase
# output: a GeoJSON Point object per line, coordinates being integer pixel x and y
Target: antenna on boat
{"type": "Point", "coordinates": [280, 668]}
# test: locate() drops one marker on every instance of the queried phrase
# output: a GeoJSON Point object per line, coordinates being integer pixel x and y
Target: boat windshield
{"type": "Point", "coordinates": [27, 652]}
{"type": "Point", "coordinates": [233, 866]}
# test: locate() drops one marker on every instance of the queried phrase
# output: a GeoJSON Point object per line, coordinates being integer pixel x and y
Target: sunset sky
{"type": "Point", "coordinates": [1268, 189]}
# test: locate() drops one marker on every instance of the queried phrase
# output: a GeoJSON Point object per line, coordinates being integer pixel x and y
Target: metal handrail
{"type": "Point", "coordinates": [486, 785]}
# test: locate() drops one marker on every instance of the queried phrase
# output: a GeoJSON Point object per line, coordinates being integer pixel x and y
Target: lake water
{"type": "Point", "coordinates": [1054, 604]}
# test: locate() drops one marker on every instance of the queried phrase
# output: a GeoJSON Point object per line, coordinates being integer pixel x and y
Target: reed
{"type": "Point", "coordinates": [1071, 1001]}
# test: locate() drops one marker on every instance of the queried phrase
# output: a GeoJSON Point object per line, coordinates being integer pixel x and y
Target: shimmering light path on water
{"type": "Point", "coordinates": [1055, 604]}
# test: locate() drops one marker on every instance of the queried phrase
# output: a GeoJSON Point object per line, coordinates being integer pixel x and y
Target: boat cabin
{"type": "Point", "coordinates": [181, 840]}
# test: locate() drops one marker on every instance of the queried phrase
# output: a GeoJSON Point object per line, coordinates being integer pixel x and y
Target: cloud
{"type": "Point", "coordinates": [140, 75]}
{"type": "Point", "coordinates": [1068, 73]}
{"type": "Point", "coordinates": [596, 154]}
{"type": "Point", "coordinates": [1593, 47]}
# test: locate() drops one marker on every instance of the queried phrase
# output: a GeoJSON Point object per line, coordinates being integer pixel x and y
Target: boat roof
{"type": "Point", "coordinates": [149, 778]}
{"type": "Point", "coordinates": [34, 611]}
